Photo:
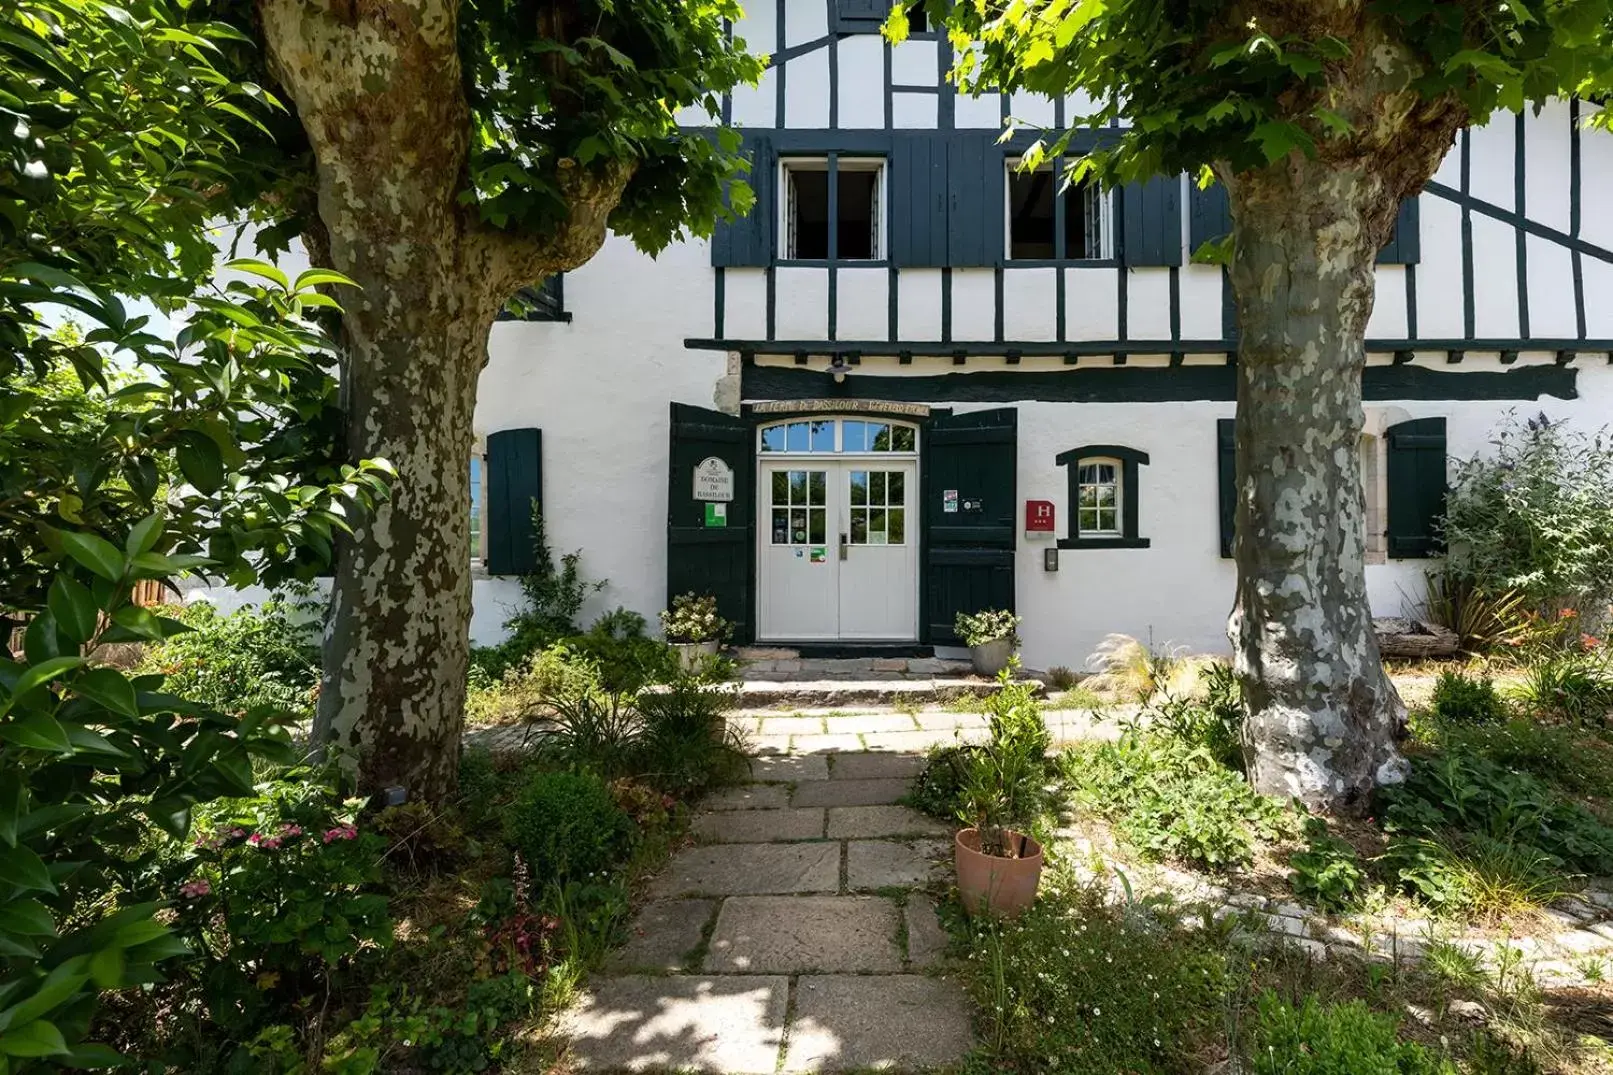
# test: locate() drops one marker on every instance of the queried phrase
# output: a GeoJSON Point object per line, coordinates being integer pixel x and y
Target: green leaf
{"type": "Point", "coordinates": [91, 1055]}
{"type": "Point", "coordinates": [38, 1038]}
{"type": "Point", "coordinates": [95, 553]}
{"type": "Point", "coordinates": [144, 536]}
{"type": "Point", "coordinates": [200, 460]}
{"type": "Point", "coordinates": [170, 815]}
{"type": "Point", "coordinates": [24, 869]}
{"type": "Point", "coordinates": [26, 918]}
{"type": "Point", "coordinates": [255, 267]}
{"type": "Point", "coordinates": [108, 687]}
{"type": "Point", "coordinates": [37, 675]}
{"type": "Point", "coordinates": [316, 277]}
{"type": "Point", "coordinates": [13, 804]}
{"type": "Point", "coordinates": [140, 622]}
{"type": "Point", "coordinates": [74, 608]}
{"type": "Point", "coordinates": [37, 731]}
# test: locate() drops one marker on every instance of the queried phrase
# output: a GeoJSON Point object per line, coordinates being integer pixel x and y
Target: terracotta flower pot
{"type": "Point", "coordinates": [989, 658]}
{"type": "Point", "coordinates": [1003, 886]}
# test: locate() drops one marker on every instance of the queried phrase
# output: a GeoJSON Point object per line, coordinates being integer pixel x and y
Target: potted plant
{"type": "Point", "coordinates": [693, 628]}
{"type": "Point", "coordinates": [998, 864]}
{"type": "Point", "coordinates": [991, 637]}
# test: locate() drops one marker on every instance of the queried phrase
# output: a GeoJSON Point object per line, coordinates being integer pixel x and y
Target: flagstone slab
{"type": "Point", "coordinates": [825, 744]}
{"type": "Point", "coordinates": [792, 725]}
{"type": "Point", "coordinates": [790, 769]}
{"type": "Point", "coordinates": [872, 864]}
{"type": "Point", "coordinates": [926, 939]}
{"type": "Point", "coordinates": [916, 742]}
{"type": "Point", "coordinates": [750, 870]}
{"type": "Point", "coordinates": [759, 826]}
{"type": "Point", "coordinates": [850, 792]}
{"type": "Point", "coordinates": [748, 797]}
{"type": "Point", "coordinates": [663, 935]}
{"type": "Point", "coordinates": [877, 766]}
{"type": "Point", "coordinates": [863, 1022]}
{"type": "Point", "coordinates": [804, 934]}
{"type": "Point", "coordinates": [877, 822]}
{"type": "Point", "coordinates": [871, 722]}
{"type": "Point", "coordinates": [730, 1025]}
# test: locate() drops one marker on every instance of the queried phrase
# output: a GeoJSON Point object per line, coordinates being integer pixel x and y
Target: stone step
{"type": "Point", "coordinates": [866, 690]}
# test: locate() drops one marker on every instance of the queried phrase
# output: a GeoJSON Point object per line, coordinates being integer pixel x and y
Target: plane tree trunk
{"type": "Point", "coordinates": [377, 87]}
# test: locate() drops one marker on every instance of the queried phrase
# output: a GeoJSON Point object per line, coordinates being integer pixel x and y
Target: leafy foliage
{"type": "Point", "coordinates": [1333, 1039]}
{"type": "Point", "coordinates": [1534, 516]}
{"type": "Point", "coordinates": [1173, 800]}
{"type": "Point", "coordinates": [693, 618]}
{"type": "Point", "coordinates": [1576, 687]}
{"type": "Point", "coordinates": [552, 597]}
{"type": "Point", "coordinates": [569, 826]}
{"type": "Point", "coordinates": [1213, 722]}
{"type": "Point", "coordinates": [1460, 699]}
{"type": "Point", "coordinates": [1076, 985]}
{"type": "Point", "coordinates": [1003, 783]}
{"type": "Point", "coordinates": [1327, 873]}
{"type": "Point", "coordinates": [264, 658]}
{"type": "Point", "coordinates": [987, 625]}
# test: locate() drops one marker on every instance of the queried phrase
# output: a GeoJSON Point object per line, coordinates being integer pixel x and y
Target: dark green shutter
{"type": "Point", "coordinates": [704, 559]}
{"type": "Point", "coordinates": [1416, 476]}
{"type": "Point", "coordinates": [1151, 222]}
{"type": "Point", "coordinates": [514, 484]}
{"type": "Point", "coordinates": [862, 16]}
{"type": "Point", "coordinates": [968, 553]}
{"type": "Point", "coordinates": [749, 240]}
{"type": "Point", "coordinates": [1226, 449]}
{"type": "Point", "coordinates": [976, 175]}
{"type": "Point", "coordinates": [918, 200]}
{"type": "Point", "coordinates": [1209, 216]}
{"type": "Point", "coordinates": [1405, 245]}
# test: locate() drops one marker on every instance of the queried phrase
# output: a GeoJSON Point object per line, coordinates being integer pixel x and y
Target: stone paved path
{"type": "Point", "coordinates": [794, 937]}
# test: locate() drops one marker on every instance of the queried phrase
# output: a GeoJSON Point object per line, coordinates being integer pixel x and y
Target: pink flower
{"type": "Point", "coordinates": [342, 832]}
{"type": "Point", "coordinates": [289, 830]}
{"type": "Point", "coordinates": [194, 889]}
{"type": "Point", "coordinates": [267, 843]}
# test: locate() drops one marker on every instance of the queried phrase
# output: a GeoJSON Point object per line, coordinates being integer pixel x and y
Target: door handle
{"type": "Point", "coordinates": [843, 546]}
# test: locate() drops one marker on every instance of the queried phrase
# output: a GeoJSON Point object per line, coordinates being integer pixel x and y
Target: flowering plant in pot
{"type": "Point", "coordinates": [991, 636]}
{"type": "Point", "coordinates": [1003, 793]}
{"type": "Point", "coordinates": [694, 628]}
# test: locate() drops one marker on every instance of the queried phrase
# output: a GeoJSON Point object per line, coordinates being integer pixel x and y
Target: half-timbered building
{"type": "Point", "coordinates": [917, 379]}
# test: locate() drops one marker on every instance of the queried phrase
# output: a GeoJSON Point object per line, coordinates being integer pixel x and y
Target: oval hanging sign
{"type": "Point", "coordinates": [713, 480]}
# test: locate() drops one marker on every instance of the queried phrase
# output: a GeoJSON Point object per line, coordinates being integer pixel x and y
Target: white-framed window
{"type": "Point", "coordinates": [478, 507]}
{"type": "Point", "coordinates": [857, 228]}
{"type": "Point", "coordinates": [1033, 217]}
{"type": "Point", "coordinates": [1097, 497]}
{"type": "Point", "coordinates": [854, 436]}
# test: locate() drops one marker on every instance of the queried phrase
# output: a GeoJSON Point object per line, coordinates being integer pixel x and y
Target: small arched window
{"type": "Point", "coordinates": [1103, 497]}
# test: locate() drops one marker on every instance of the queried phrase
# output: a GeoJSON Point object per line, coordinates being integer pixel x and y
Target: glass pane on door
{"type": "Point", "coordinates": [800, 507]}
{"type": "Point", "coordinates": [878, 507]}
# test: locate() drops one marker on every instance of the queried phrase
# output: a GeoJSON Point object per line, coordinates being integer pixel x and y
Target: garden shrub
{"type": "Point", "coordinates": [1173, 800]}
{"type": "Point", "coordinates": [1576, 687]}
{"type": "Point", "coordinates": [281, 889]}
{"type": "Point", "coordinates": [1578, 762]}
{"type": "Point", "coordinates": [1003, 788]}
{"type": "Point", "coordinates": [687, 745]}
{"type": "Point", "coordinates": [552, 597]}
{"type": "Point", "coordinates": [1461, 699]}
{"type": "Point", "coordinates": [568, 825]}
{"type": "Point", "coordinates": [1213, 723]}
{"type": "Point", "coordinates": [1078, 985]}
{"type": "Point", "coordinates": [1327, 873]}
{"type": "Point", "coordinates": [1332, 1039]}
{"type": "Point", "coordinates": [938, 790]}
{"type": "Point", "coordinates": [263, 659]}
{"type": "Point", "coordinates": [1535, 516]}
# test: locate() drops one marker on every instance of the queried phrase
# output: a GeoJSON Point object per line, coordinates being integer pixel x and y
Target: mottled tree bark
{"type": "Point", "coordinates": [1323, 715]}
{"type": "Point", "coordinates": [377, 87]}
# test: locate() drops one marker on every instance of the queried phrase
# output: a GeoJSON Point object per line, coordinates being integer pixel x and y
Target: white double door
{"type": "Point", "coordinates": [839, 550]}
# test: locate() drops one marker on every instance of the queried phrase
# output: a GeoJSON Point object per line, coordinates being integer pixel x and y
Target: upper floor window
{"type": "Point", "coordinates": [845, 227]}
{"type": "Point", "coordinates": [1034, 228]}
{"type": "Point", "coordinates": [544, 302]}
{"type": "Point", "coordinates": [866, 16]}
{"type": "Point", "coordinates": [814, 435]}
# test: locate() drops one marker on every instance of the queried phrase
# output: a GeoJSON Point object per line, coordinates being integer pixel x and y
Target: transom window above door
{"type": "Point", "coordinates": [844, 435]}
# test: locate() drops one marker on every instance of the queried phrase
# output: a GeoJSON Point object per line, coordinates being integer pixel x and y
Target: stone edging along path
{"type": "Point", "coordinates": [791, 938]}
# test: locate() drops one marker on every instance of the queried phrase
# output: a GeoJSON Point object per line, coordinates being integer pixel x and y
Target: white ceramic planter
{"type": "Point", "coordinates": [691, 654]}
{"type": "Point", "coordinates": [989, 658]}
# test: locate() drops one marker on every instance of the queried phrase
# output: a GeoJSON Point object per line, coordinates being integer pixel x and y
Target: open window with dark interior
{"type": "Point", "coordinates": [855, 225]}
{"type": "Point", "coordinates": [1033, 217]}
